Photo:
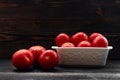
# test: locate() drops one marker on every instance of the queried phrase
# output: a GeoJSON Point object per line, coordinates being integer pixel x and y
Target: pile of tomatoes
{"type": "Point", "coordinates": [81, 39]}
{"type": "Point", "coordinates": [24, 59]}
{"type": "Point", "coordinates": [48, 59]}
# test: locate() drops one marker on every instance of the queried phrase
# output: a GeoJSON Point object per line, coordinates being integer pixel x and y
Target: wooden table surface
{"type": "Point", "coordinates": [110, 72]}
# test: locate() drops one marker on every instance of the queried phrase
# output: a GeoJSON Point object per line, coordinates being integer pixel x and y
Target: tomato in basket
{"type": "Point", "coordinates": [78, 37]}
{"type": "Point", "coordinates": [100, 41]}
{"type": "Point", "coordinates": [84, 44]}
{"type": "Point", "coordinates": [62, 38]}
{"type": "Point", "coordinates": [67, 44]}
{"type": "Point", "coordinates": [94, 35]}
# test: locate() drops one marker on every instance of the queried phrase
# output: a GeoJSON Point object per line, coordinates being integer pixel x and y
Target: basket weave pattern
{"type": "Point", "coordinates": [82, 57]}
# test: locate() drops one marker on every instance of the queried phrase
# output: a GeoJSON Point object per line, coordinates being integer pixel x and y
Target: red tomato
{"type": "Point", "coordinates": [62, 38]}
{"type": "Point", "coordinates": [48, 59]}
{"type": "Point", "coordinates": [37, 51]}
{"type": "Point", "coordinates": [67, 44]}
{"type": "Point", "coordinates": [84, 44]}
{"type": "Point", "coordinates": [22, 59]}
{"type": "Point", "coordinates": [100, 41]}
{"type": "Point", "coordinates": [78, 37]}
{"type": "Point", "coordinates": [93, 36]}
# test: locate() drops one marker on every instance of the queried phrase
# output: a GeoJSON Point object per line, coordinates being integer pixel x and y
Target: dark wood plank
{"type": "Point", "coordinates": [30, 22]}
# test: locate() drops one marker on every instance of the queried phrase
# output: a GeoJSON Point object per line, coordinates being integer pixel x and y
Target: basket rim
{"type": "Point", "coordinates": [56, 47]}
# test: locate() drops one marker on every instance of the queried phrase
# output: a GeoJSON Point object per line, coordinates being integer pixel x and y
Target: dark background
{"type": "Point", "coordinates": [24, 23]}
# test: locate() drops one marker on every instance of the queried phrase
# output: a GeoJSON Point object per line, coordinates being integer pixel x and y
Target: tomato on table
{"type": "Point", "coordinates": [22, 59]}
{"type": "Point", "coordinates": [48, 59]}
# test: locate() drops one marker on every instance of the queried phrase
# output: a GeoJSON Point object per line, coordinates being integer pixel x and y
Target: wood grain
{"type": "Point", "coordinates": [30, 22]}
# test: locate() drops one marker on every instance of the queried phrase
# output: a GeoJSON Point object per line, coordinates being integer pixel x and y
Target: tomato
{"type": "Point", "coordinates": [94, 35]}
{"type": "Point", "coordinates": [78, 37]}
{"type": "Point", "coordinates": [100, 41]}
{"type": "Point", "coordinates": [22, 59]}
{"type": "Point", "coordinates": [84, 44]}
{"type": "Point", "coordinates": [62, 38]}
{"type": "Point", "coordinates": [67, 44]}
{"type": "Point", "coordinates": [37, 51]}
{"type": "Point", "coordinates": [48, 59]}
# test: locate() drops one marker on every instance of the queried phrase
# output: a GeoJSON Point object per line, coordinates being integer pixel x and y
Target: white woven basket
{"type": "Point", "coordinates": [87, 56]}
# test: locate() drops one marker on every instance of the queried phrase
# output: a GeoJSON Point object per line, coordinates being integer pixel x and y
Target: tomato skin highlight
{"type": "Point", "coordinates": [78, 37]}
{"type": "Point", "coordinates": [48, 59]}
{"type": "Point", "coordinates": [100, 41]}
{"type": "Point", "coordinates": [62, 38]}
{"type": "Point", "coordinates": [22, 59]}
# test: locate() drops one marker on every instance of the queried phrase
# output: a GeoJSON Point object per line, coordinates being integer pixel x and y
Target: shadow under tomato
{"type": "Point", "coordinates": [36, 69]}
{"type": "Point", "coordinates": [23, 70]}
